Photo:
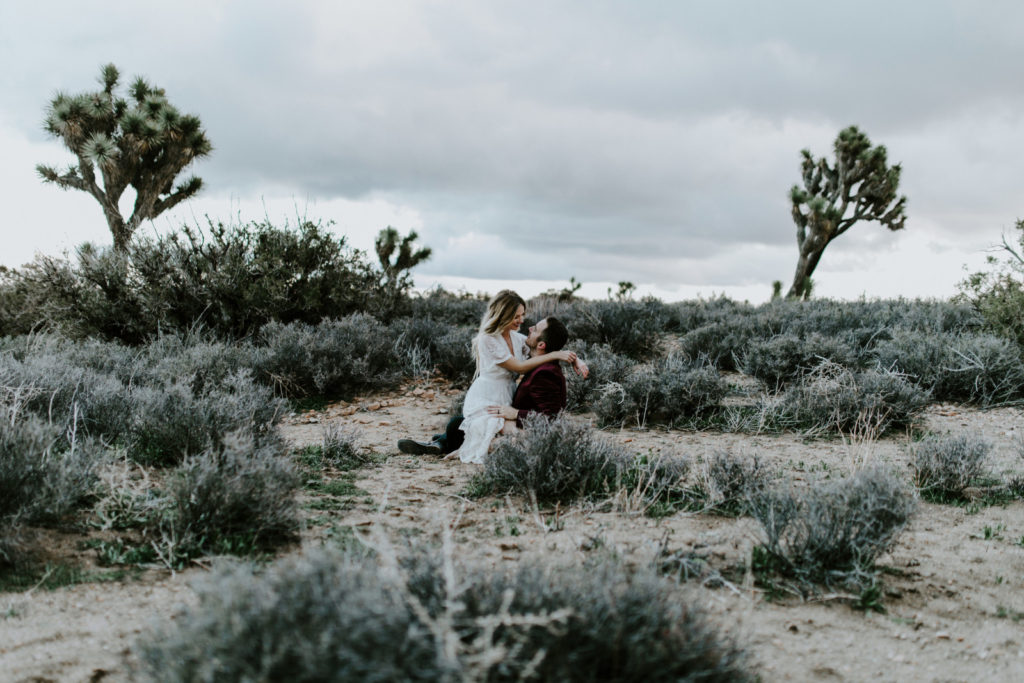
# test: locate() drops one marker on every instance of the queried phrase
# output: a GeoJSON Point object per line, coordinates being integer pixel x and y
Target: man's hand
{"type": "Point", "coordinates": [507, 412]}
{"type": "Point", "coordinates": [581, 368]}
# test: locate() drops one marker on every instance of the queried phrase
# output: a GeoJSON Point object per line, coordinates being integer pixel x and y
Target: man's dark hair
{"type": "Point", "coordinates": [554, 335]}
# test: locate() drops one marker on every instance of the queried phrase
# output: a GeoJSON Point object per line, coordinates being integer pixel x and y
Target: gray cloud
{"type": "Point", "coordinates": [644, 140]}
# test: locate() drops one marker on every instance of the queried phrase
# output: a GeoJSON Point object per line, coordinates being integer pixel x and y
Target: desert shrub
{"type": "Point", "coordinates": [998, 293]}
{"type": "Point", "coordinates": [49, 384]}
{"type": "Point", "coordinates": [834, 398]}
{"type": "Point", "coordinates": [668, 392]}
{"type": "Point", "coordinates": [728, 482]}
{"type": "Point", "coordinates": [555, 460]}
{"type": "Point", "coordinates": [195, 359]}
{"type": "Point", "coordinates": [944, 466]}
{"type": "Point", "coordinates": [968, 367]}
{"type": "Point", "coordinates": [654, 485]}
{"type": "Point", "coordinates": [45, 473]}
{"type": "Point", "coordinates": [230, 279]}
{"type": "Point", "coordinates": [832, 533]}
{"type": "Point", "coordinates": [235, 497]}
{"type": "Point", "coordinates": [721, 343]}
{"type": "Point", "coordinates": [605, 366]}
{"type": "Point", "coordinates": [335, 358]}
{"type": "Point", "coordinates": [424, 345]}
{"type": "Point", "coordinates": [629, 328]}
{"type": "Point", "coordinates": [448, 308]}
{"type": "Point", "coordinates": [786, 357]}
{"type": "Point", "coordinates": [173, 421]}
{"type": "Point", "coordinates": [342, 617]}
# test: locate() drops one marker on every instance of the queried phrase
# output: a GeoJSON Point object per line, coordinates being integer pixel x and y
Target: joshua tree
{"type": "Point", "coordinates": [143, 142]}
{"type": "Point", "coordinates": [396, 270]}
{"type": "Point", "coordinates": [859, 187]}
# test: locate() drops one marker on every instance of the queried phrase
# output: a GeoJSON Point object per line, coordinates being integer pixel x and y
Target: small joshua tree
{"type": "Point", "coordinates": [396, 270]}
{"type": "Point", "coordinates": [143, 142]}
{"type": "Point", "coordinates": [859, 187]}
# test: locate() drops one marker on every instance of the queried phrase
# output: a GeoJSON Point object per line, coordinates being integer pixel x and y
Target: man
{"type": "Point", "coordinates": [542, 390]}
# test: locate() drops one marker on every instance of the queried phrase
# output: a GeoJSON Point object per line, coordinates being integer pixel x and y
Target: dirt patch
{"type": "Point", "coordinates": [953, 583]}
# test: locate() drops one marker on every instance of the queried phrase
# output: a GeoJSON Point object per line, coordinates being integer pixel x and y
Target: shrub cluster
{"type": "Point", "coordinates": [667, 392]}
{"type": "Point", "coordinates": [785, 358]}
{"type": "Point", "coordinates": [229, 279]}
{"type": "Point", "coordinates": [834, 398]}
{"type": "Point", "coordinates": [944, 466]}
{"type": "Point", "coordinates": [45, 473]}
{"type": "Point", "coordinates": [832, 533]}
{"type": "Point", "coordinates": [235, 498]}
{"type": "Point", "coordinates": [344, 617]}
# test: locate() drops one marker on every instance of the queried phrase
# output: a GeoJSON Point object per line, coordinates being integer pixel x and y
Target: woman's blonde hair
{"type": "Point", "coordinates": [501, 310]}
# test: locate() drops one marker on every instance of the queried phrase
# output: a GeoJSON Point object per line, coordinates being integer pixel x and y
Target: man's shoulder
{"type": "Point", "coordinates": [552, 367]}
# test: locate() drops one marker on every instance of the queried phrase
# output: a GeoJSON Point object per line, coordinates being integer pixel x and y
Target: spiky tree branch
{"type": "Point", "coordinates": [142, 142]}
{"type": "Point", "coordinates": [396, 269]}
{"type": "Point", "coordinates": [860, 186]}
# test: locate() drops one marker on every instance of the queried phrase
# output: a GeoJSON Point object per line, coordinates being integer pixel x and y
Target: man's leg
{"type": "Point", "coordinates": [440, 444]}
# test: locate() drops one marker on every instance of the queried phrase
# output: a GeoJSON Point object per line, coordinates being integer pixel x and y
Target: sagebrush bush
{"type": "Point", "coordinates": [785, 358]}
{"type": "Point", "coordinates": [834, 398]}
{"type": "Point", "coordinates": [336, 358]}
{"type": "Point", "coordinates": [944, 466]}
{"type": "Point", "coordinates": [423, 345]}
{"type": "Point", "coordinates": [668, 392]}
{"type": "Point", "coordinates": [721, 343]}
{"type": "Point", "coordinates": [605, 366]}
{"type": "Point", "coordinates": [629, 328]}
{"type": "Point", "coordinates": [45, 473]}
{"type": "Point", "coordinates": [728, 482]}
{"type": "Point", "coordinates": [556, 460]}
{"type": "Point", "coordinates": [232, 498]}
{"type": "Point", "coordinates": [966, 367]}
{"type": "Point", "coordinates": [344, 617]}
{"type": "Point", "coordinates": [832, 533]}
{"type": "Point", "coordinates": [998, 294]}
{"type": "Point", "coordinates": [171, 422]}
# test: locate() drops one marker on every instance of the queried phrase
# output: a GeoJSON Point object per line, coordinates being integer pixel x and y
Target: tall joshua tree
{"type": "Point", "coordinates": [142, 142]}
{"type": "Point", "coordinates": [860, 186]}
{"type": "Point", "coordinates": [396, 269]}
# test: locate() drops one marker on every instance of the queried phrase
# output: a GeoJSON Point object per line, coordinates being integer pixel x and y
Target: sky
{"type": "Point", "coordinates": [531, 142]}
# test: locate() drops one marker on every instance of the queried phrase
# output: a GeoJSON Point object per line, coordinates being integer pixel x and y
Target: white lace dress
{"type": "Point", "coordinates": [494, 386]}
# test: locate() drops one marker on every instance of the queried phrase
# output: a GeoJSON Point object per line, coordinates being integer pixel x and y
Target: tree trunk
{"type": "Point", "coordinates": [805, 265]}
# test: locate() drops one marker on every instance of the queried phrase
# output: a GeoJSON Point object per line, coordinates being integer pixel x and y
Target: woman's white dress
{"type": "Point", "coordinates": [494, 386]}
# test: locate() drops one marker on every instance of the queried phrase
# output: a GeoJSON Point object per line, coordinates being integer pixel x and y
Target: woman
{"type": "Point", "coordinates": [501, 354]}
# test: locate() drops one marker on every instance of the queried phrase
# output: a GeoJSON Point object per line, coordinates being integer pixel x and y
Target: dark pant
{"type": "Point", "coordinates": [451, 438]}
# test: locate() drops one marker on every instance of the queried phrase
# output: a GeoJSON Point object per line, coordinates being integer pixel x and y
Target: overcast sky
{"type": "Point", "coordinates": [531, 141]}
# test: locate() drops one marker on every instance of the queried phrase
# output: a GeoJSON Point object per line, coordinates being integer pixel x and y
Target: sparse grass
{"type": "Point", "coordinates": [728, 482]}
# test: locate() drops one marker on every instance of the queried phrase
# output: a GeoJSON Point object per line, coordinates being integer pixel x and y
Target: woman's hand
{"type": "Point", "coordinates": [507, 412]}
{"type": "Point", "coordinates": [567, 356]}
{"type": "Point", "coordinates": [581, 368]}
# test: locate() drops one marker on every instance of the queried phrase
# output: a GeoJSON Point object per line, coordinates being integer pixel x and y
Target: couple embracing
{"type": "Point", "coordinates": [494, 403]}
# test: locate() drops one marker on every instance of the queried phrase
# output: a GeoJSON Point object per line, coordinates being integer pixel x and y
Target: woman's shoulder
{"type": "Point", "coordinates": [518, 337]}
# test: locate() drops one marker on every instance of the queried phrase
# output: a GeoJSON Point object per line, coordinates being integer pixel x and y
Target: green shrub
{"type": "Point", "coordinates": [231, 280]}
{"type": "Point", "coordinates": [998, 294]}
{"type": "Point", "coordinates": [832, 533]}
{"type": "Point", "coordinates": [331, 617]}
{"type": "Point", "coordinates": [944, 466]}
{"type": "Point", "coordinates": [423, 345]}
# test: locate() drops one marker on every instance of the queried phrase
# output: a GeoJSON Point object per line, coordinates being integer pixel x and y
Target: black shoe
{"type": "Point", "coordinates": [411, 447]}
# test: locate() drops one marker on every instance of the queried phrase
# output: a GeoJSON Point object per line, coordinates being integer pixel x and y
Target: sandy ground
{"type": "Point", "coordinates": [953, 582]}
